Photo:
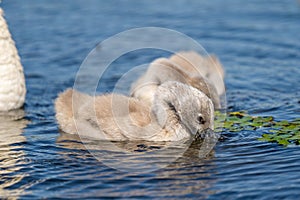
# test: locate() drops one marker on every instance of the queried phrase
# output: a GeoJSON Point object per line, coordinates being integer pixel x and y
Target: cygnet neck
{"type": "Point", "coordinates": [12, 81]}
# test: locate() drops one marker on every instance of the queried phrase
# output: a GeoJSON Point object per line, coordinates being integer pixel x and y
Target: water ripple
{"type": "Point", "coordinates": [258, 43]}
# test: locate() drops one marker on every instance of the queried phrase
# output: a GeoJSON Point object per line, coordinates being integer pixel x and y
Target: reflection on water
{"type": "Point", "coordinates": [12, 157]}
{"type": "Point", "coordinates": [259, 47]}
{"type": "Point", "coordinates": [188, 171]}
{"type": "Point", "coordinates": [138, 157]}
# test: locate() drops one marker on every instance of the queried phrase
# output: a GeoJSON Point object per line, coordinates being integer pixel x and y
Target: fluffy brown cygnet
{"type": "Point", "coordinates": [204, 73]}
{"type": "Point", "coordinates": [178, 112]}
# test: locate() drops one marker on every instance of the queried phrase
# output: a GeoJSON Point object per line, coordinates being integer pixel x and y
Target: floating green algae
{"type": "Point", "coordinates": [281, 132]}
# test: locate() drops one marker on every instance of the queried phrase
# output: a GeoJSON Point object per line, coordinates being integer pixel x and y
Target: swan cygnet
{"type": "Point", "coordinates": [178, 112]}
{"type": "Point", "coordinates": [12, 81]}
{"type": "Point", "coordinates": [208, 67]}
{"type": "Point", "coordinates": [184, 71]}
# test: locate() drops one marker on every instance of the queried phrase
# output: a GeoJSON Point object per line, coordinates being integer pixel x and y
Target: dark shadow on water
{"type": "Point", "coordinates": [122, 154]}
{"type": "Point", "coordinates": [187, 169]}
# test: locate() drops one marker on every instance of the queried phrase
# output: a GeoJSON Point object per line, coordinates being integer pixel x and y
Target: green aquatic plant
{"type": "Point", "coordinates": [281, 132]}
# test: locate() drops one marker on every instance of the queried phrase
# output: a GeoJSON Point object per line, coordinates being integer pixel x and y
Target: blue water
{"type": "Point", "coordinates": [258, 43]}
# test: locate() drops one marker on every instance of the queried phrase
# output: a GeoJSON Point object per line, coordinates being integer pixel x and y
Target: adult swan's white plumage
{"type": "Point", "coordinates": [12, 81]}
{"type": "Point", "coordinates": [178, 112]}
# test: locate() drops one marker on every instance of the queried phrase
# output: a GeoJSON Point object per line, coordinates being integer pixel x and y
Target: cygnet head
{"type": "Point", "coordinates": [184, 107]}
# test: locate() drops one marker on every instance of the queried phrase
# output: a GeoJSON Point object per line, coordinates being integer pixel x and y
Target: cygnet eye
{"type": "Point", "coordinates": [200, 119]}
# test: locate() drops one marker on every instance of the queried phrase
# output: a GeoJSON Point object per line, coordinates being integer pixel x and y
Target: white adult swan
{"type": "Point", "coordinates": [12, 81]}
{"type": "Point", "coordinates": [204, 73]}
{"type": "Point", "coordinates": [178, 111]}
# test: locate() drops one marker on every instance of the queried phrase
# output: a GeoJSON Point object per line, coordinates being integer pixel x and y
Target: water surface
{"type": "Point", "coordinates": [258, 44]}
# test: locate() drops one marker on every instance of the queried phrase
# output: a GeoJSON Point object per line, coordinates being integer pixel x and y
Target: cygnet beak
{"type": "Point", "coordinates": [201, 134]}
